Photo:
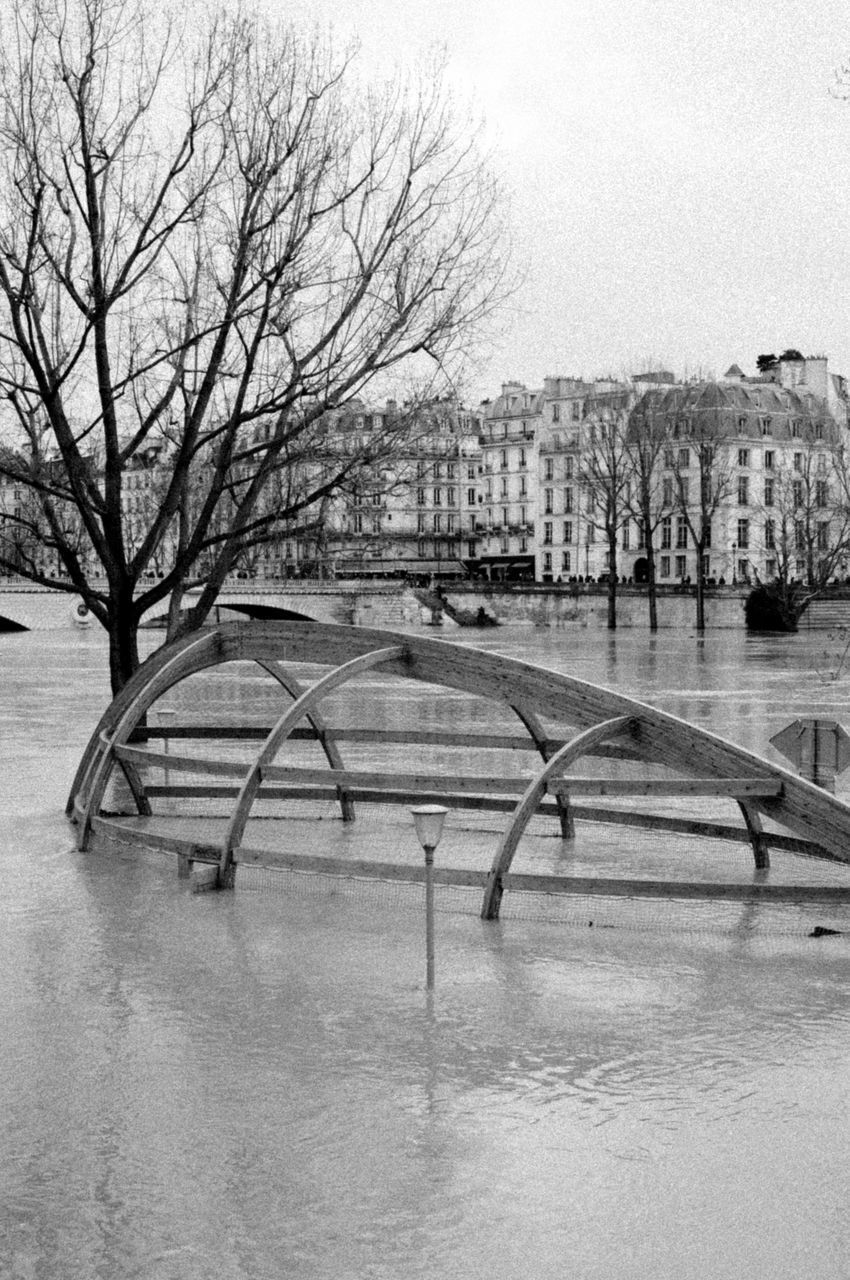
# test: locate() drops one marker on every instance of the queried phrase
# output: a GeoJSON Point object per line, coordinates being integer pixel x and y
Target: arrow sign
{"type": "Point", "coordinates": [818, 749]}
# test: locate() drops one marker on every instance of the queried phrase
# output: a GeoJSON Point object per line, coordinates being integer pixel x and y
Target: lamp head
{"type": "Point", "coordinates": [429, 823]}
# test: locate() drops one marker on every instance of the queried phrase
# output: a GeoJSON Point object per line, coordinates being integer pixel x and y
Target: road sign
{"type": "Point", "coordinates": [818, 749]}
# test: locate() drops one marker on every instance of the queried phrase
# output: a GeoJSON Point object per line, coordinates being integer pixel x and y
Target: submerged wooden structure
{"type": "Point", "coordinates": [774, 807]}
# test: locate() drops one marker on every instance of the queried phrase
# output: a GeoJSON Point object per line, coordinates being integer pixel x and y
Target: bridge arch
{"type": "Point", "coordinates": [599, 722]}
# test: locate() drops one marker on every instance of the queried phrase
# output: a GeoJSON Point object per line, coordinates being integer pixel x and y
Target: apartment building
{"type": "Point", "coordinates": [507, 498]}
{"type": "Point", "coordinates": [754, 469]}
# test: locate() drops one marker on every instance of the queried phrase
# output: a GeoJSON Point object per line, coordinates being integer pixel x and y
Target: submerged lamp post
{"type": "Point", "coordinates": [429, 827]}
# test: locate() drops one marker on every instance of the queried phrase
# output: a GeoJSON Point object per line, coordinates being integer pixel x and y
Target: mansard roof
{"type": "Point", "coordinates": [735, 409]}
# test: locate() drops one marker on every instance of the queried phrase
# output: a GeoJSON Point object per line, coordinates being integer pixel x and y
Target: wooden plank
{"type": "Point", "coordinates": [335, 679]}
{"type": "Point", "coordinates": [617, 727]}
{"type": "Point", "coordinates": [145, 833]}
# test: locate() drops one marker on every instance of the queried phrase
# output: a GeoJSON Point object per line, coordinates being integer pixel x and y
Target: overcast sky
{"type": "Point", "coordinates": [679, 173]}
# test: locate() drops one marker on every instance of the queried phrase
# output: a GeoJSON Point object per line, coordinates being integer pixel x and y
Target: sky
{"type": "Point", "coordinates": [678, 174]}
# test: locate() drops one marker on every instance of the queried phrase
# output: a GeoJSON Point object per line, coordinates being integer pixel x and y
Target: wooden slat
{"type": "Point", "coordinates": [413, 736]}
{"type": "Point", "coordinates": [461, 783]}
{"type": "Point", "coordinates": [414, 873]}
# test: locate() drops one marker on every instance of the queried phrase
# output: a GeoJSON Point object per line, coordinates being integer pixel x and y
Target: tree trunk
{"type": "Point", "coordinates": [612, 584]}
{"type": "Point", "coordinates": [123, 644]}
{"type": "Point", "coordinates": [700, 592]}
{"type": "Point", "coordinates": [652, 587]}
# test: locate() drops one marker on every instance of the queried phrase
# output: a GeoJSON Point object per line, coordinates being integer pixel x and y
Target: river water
{"type": "Point", "coordinates": [256, 1084]}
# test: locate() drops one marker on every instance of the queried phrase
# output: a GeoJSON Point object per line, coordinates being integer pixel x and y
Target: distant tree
{"type": "Point", "coordinates": [791, 353]}
{"type": "Point", "coordinates": [805, 513]}
{"type": "Point", "coordinates": [703, 482]}
{"type": "Point", "coordinates": [646, 445]}
{"type": "Point", "coordinates": [208, 240]}
{"type": "Point", "coordinates": [606, 477]}
{"type": "Point", "coordinates": [765, 363]}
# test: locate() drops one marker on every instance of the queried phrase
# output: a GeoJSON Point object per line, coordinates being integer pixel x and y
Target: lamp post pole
{"type": "Point", "coordinates": [428, 819]}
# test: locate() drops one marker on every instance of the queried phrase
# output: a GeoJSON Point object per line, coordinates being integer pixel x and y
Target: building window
{"type": "Point", "coordinates": [420, 522]}
{"type": "Point", "coordinates": [795, 428]}
{"type": "Point", "coordinates": [569, 464]}
{"type": "Point", "coordinates": [522, 461]}
{"type": "Point", "coordinates": [743, 491]}
{"type": "Point", "coordinates": [797, 493]}
{"type": "Point", "coordinates": [823, 535]}
{"type": "Point", "coordinates": [743, 534]}
{"type": "Point", "coordinates": [665, 567]}
{"type": "Point", "coordinates": [438, 522]}
{"type": "Point", "coordinates": [568, 501]}
{"type": "Point", "coordinates": [504, 515]}
{"type": "Point", "coordinates": [548, 501]}
{"type": "Point", "coordinates": [420, 497]}
{"type": "Point", "coordinates": [667, 533]}
{"type": "Point", "coordinates": [451, 497]}
{"type": "Point", "coordinates": [670, 458]}
{"type": "Point", "coordinates": [799, 535]}
{"type": "Point", "coordinates": [821, 493]}
{"type": "Point", "coordinates": [625, 535]}
{"type": "Point", "coordinates": [556, 413]}
{"type": "Point", "coordinates": [769, 534]}
{"type": "Point", "coordinates": [523, 544]}
{"type": "Point", "coordinates": [681, 566]}
{"type": "Point", "coordinates": [684, 457]}
{"type": "Point", "coordinates": [450, 523]}
{"type": "Point", "coordinates": [450, 471]}
{"type": "Point", "coordinates": [768, 459]}
{"type": "Point", "coordinates": [503, 459]}
{"type": "Point", "coordinates": [667, 491]}
{"type": "Point", "coordinates": [438, 497]}
{"type": "Point", "coordinates": [681, 532]}
{"type": "Point", "coordinates": [566, 562]}
{"type": "Point", "coordinates": [547, 533]}
{"type": "Point", "coordinates": [798, 462]}
{"type": "Point", "coordinates": [743, 457]}
{"type": "Point", "coordinates": [766, 428]}
{"type": "Point", "coordinates": [548, 468]}
{"type": "Point", "coordinates": [358, 522]}
{"type": "Point", "coordinates": [768, 493]}
{"type": "Point", "coordinates": [503, 490]}
{"type": "Point", "coordinates": [568, 531]}
{"type": "Point", "coordinates": [770, 569]}
{"type": "Point", "coordinates": [470, 497]}
{"type": "Point", "coordinates": [438, 471]}
{"type": "Point", "coordinates": [819, 431]}
{"type": "Point", "coordinates": [576, 410]}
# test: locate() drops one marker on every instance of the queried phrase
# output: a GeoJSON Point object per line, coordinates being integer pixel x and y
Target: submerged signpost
{"type": "Point", "coordinates": [818, 749]}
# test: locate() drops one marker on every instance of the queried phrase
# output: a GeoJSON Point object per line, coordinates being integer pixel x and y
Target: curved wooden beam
{"type": "Point", "coordinates": [180, 664]}
{"type": "Point", "coordinates": [287, 722]}
{"type": "Point", "coordinates": [578, 746]}
{"type": "Point", "coordinates": [755, 831]}
{"type": "Point", "coordinates": [540, 739]}
{"type": "Point", "coordinates": [323, 734]}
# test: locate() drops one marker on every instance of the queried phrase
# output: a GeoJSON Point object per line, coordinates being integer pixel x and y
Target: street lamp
{"type": "Point", "coordinates": [428, 819]}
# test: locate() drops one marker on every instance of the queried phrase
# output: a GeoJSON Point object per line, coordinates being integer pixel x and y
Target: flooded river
{"type": "Point", "coordinates": [255, 1084]}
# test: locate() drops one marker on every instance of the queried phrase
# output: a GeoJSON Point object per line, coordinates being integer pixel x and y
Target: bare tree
{"type": "Point", "coordinates": [703, 480]}
{"type": "Point", "coordinates": [646, 441]}
{"type": "Point", "coordinates": [805, 513]}
{"type": "Point", "coordinates": [606, 477]}
{"type": "Point", "coordinates": [207, 250]}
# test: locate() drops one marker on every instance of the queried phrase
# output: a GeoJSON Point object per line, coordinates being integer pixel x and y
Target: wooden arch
{"type": "Point", "coordinates": [602, 723]}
